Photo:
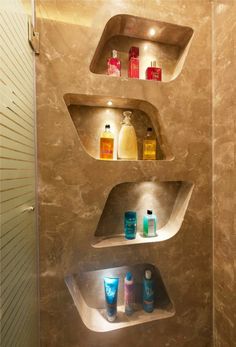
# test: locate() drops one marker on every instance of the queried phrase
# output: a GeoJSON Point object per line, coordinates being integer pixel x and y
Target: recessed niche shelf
{"type": "Point", "coordinates": [90, 113]}
{"type": "Point", "coordinates": [166, 43]}
{"type": "Point", "coordinates": [168, 200]}
{"type": "Point", "coordinates": [87, 291]}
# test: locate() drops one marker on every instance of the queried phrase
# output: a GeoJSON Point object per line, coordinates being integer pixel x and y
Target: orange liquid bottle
{"type": "Point", "coordinates": [106, 144]}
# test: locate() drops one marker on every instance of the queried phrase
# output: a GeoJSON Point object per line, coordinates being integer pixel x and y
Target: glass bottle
{"type": "Point", "coordinates": [153, 72]}
{"type": "Point", "coordinates": [113, 64]}
{"type": "Point", "coordinates": [106, 143]}
{"type": "Point", "coordinates": [127, 141]}
{"type": "Point", "coordinates": [149, 145]}
{"type": "Point", "coordinates": [133, 71]}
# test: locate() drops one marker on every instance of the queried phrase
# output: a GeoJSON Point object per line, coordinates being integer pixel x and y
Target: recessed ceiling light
{"type": "Point", "coordinates": [152, 32]}
{"type": "Point", "coordinates": [109, 103]}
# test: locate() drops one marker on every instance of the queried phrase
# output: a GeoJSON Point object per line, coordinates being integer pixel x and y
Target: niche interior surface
{"type": "Point", "coordinates": [168, 45]}
{"type": "Point", "coordinates": [90, 114]}
{"type": "Point", "coordinates": [87, 291]}
{"type": "Point", "coordinates": [168, 200]}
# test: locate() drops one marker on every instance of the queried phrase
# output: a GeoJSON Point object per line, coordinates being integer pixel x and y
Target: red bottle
{"type": "Point", "coordinates": [153, 72]}
{"type": "Point", "coordinates": [113, 65]}
{"type": "Point", "coordinates": [133, 71]}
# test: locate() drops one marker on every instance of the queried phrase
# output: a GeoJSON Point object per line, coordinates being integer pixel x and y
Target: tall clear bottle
{"type": "Point", "coordinates": [127, 142]}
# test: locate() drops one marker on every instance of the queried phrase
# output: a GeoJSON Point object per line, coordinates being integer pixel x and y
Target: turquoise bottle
{"type": "Point", "coordinates": [149, 224]}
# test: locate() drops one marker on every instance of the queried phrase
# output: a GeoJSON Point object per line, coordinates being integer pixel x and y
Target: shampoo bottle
{"type": "Point", "coordinates": [129, 294]}
{"type": "Point", "coordinates": [148, 292]}
{"type": "Point", "coordinates": [149, 224]}
{"type": "Point", "coordinates": [127, 141]}
{"type": "Point", "coordinates": [130, 225]}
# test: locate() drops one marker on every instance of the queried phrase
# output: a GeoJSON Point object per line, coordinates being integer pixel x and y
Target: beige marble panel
{"type": "Point", "coordinates": [224, 174]}
{"type": "Point", "coordinates": [73, 186]}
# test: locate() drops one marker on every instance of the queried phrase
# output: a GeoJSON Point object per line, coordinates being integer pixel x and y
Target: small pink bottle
{"type": "Point", "coordinates": [133, 71]}
{"type": "Point", "coordinates": [113, 65]}
{"type": "Point", "coordinates": [153, 72]}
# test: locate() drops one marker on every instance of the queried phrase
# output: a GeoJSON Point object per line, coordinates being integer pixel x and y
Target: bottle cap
{"type": "Point", "coordinates": [129, 276]}
{"type": "Point", "coordinates": [148, 274]}
{"type": "Point", "coordinates": [149, 129]}
{"type": "Point", "coordinates": [130, 214]}
{"type": "Point", "coordinates": [107, 126]}
{"type": "Point", "coordinates": [133, 52]}
{"type": "Point", "coordinates": [149, 211]}
{"type": "Point", "coordinates": [153, 63]}
{"type": "Point", "coordinates": [114, 53]}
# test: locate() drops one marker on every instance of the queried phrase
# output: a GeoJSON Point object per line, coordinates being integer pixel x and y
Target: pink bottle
{"type": "Point", "coordinates": [133, 71]}
{"type": "Point", "coordinates": [113, 65]}
{"type": "Point", "coordinates": [153, 72]}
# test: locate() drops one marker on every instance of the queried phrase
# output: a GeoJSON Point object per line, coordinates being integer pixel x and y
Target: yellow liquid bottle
{"type": "Point", "coordinates": [149, 146]}
{"type": "Point", "coordinates": [106, 144]}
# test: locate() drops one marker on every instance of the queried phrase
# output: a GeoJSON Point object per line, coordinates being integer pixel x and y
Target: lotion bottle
{"type": "Point", "coordinates": [129, 298]}
{"type": "Point", "coordinates": [148, 292]}
{"type": "Point", "coordinates": [127, 141]}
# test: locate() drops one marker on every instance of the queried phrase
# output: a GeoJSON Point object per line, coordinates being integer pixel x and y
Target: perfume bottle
{"type": "Point", "coordinates": [149, 145]}
{"type": "Point", "coordinates": [133, 71]}
{"type": "Point", "coordinates": [149, 224]}
{"type": "Point", "coordinates": [130, 225]}
{"type": "Point", "coordinates": [106, 143]}
{"type": "Point", "coordinates": [113, 65]}
{"type": "Point", "coordinates": [127, 141]}
{"type": "Point", "coordinates": [153, 72]}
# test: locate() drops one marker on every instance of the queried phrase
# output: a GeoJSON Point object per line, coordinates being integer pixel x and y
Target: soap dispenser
{"type": "Point", "coordinates": [127, 141]}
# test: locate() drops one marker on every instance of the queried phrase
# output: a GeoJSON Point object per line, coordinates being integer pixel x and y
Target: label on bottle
{"type": "Point", "coordinates": [106, 148]}
{"type": "Point", "coordinates": [134, 68]}
{"type": "Point", "coordinates": [129, 298]}
{"type": "Point", "coordinates": [156, 74]}
{"type": "Point", "coordinates": [113, 70]}
{"type": "Point", "coordinates": [151, 227]}
{"type": "Point", "coordinates": [149, 149]}
{"type": "Point", "coordinates": [148, 295]}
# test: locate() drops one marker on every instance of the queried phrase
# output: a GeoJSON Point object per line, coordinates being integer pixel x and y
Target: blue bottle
{"type": "Point", "coordinates": [148, 292]}
{"type": "Point", "coordinates": [130, 225]}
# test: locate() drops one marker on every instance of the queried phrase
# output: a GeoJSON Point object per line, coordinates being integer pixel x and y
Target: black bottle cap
{"type": "Point", "coordinates": [149, 211]}
{"type": "Point", "coordinates": [149, 129]}
{"type": "Point", "coordinates": [107, 126]}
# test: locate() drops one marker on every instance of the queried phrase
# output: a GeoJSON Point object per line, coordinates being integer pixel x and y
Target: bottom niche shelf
{"type": "Point", "coordinates": [87, 291]}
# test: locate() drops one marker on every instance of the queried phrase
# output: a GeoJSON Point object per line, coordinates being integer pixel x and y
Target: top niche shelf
{"type": "Point", "coordinates": [166, 43]}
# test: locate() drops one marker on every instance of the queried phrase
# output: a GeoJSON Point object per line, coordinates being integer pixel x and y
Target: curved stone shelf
{"type": "Point", "coordinates": [87, 291]}
{"type": "Point", "coordinates": [166, 43]}
{"type": "Point", "coordinates": [168, 200]}
{"type": "Point", "coordinates": [90, 113]}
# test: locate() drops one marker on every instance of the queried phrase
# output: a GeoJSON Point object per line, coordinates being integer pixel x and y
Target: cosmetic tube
{"type": "Point", "coordinates": [111, 291]}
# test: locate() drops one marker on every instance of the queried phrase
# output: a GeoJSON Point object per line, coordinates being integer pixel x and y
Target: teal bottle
{"type": "Point", "coordinates": [130, 225]}
{"type": "Point", "coordinates": [149, 224]}
{"type": "Point", "coordinates": [148, 292]}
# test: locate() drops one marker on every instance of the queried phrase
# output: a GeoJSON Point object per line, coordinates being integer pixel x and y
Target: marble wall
{"type": "Point", "coordinates": [224, 173]}
{"type": "Point", "coordinates": [73, 186]}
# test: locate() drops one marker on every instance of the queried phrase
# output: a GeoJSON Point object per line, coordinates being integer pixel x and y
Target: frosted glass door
{"type": "Point", "coordinates": [19, 294]}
